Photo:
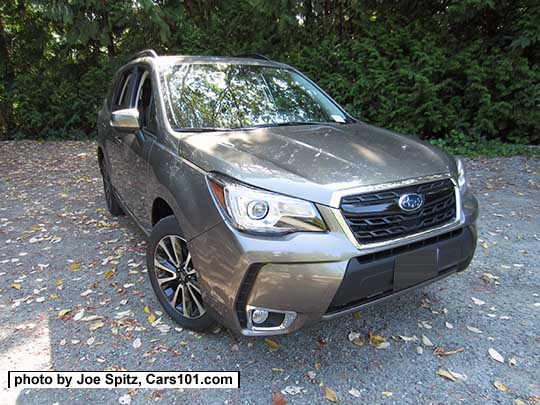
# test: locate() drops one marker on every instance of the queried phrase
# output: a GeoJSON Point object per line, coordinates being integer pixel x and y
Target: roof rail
{"type": "Point", "coordinates": [254, 56]}
{"type": "Point", "coordinates": [146, 53]}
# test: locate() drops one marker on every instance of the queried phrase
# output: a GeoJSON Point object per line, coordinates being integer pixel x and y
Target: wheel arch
{"type": "Point", "coordinates": [161, 209]}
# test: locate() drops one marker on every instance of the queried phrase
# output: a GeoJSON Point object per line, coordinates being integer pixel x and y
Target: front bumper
{"type": "Point", "coordinates": [317, 275]}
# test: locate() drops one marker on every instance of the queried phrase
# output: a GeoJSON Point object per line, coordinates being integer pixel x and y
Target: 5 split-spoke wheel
{"type": "Point", "coordinates": [177, 278]}
{"type": "Point", "coordinates": [174, 277]}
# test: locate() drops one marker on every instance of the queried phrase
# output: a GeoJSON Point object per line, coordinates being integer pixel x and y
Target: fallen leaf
{"type": "Point", "coordinates": [75, 266]}
{"type": "Point", "coordinates": [446, 374]}
{"type": "Point", "coordinates": [458, 376]}
{"type": "Point", "coordinates": [278, 399]}
{"type": "Point", "coordinates": [439, 351]}
{"type": "Point", "coordinates": [147, 309]}
{"type": "Point", "coordinates": [17, 286]}
{"type": "Point", "coordinates": [125, 399]}
{"type": "Point", "coordinates": [387, 394]}
{"type": "Point", "coordinates": [63, 312]}
{"type": "Point", "coordinates": [354, 392]}
{"type": "Point", "coordinates": [53, 296]}
{"type": "Point", "coordinates": [426, 342]}
{"type": "Point", "coordinates": [96, 325]}
{"type": "Point", "coordinates": [293, 390]}
{"type": "Point", "coordinates": [151, 318]}
{"type": "Point", "coordinates": [500, 386]}
{"type": "Point", "coordinates": [495, 355]}
{"type": "Point", "coordinates": [356, 316]}
{"type": "Point", "coordinates": [109, 274]}
{"type": "Point", "coordinates": [409, 338]}
{"type": "Point", "coordinates": [330, 395]}
{"type": "Point", "coordinates": [475, 330]}
{"type": "Point", "coordinates": [78, 316]}
{"type": "Point", "coordinates": [274, 345]}
{"type": "Point", "coordinates": [376, 340]}
{"type": "Point", "coordinates": [477, 301]}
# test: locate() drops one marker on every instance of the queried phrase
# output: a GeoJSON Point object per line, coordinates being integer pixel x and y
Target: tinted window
{"type": "Point", "coordinates": [123, 90]}
{"type": "Point", "coordinates": [223, 95]}
{"type": "Point", "coordinates": [145, 102]}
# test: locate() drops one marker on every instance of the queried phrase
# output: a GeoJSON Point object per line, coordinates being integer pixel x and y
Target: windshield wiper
{"type": "Point", "coordinates": [289, 123]}
{"type": "Point", "coordinates": [203, 129]}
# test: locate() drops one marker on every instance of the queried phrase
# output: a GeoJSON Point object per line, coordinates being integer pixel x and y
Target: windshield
{"type": "Point", "coordinates": [239, 96]}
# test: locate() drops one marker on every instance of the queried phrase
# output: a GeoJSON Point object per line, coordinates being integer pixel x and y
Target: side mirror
{"type": "Point", "coordinates": [126, 120]}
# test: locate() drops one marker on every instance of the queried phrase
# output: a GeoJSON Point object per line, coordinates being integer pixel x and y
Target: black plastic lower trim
{"type": "Point", "coordinates": [243, 294]}
{"type": "Point", "coordinates": [382, 274]}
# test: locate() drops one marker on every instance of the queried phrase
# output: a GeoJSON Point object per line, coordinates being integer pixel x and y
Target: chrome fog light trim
{"type": "Point", "coordinates": [253, 312]}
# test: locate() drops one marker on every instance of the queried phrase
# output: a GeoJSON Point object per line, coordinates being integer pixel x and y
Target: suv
{"type": "Point", "coordinates": [267, 207]}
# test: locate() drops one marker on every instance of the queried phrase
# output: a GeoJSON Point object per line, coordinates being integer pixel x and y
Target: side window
{"type": "Point", "coordinates": [122, 91]}
{"type": "Point", "coordinates": [145, 103]}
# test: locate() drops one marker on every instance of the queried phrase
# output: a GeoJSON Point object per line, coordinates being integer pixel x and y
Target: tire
{"type": "Point", "coordinates": [113, 205]}
{"type": "Point", "coordinates": [174, 280]}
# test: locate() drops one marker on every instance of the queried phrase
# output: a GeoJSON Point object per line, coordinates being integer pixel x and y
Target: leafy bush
{"type": "Point", "coordinates": [465, 75]}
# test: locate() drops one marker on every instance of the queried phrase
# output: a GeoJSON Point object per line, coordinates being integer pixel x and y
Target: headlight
{"type": "Point", "coordinates": [254, 210]}
{"type": "Point", "coordinates": [462, 178]}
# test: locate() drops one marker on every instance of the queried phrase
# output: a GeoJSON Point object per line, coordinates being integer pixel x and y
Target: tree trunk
{"type": "Point", "coordinates": [8, 73]}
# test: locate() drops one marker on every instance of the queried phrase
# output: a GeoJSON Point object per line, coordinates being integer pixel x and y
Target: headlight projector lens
{"type": "Point", "coordinates": [257, 209]}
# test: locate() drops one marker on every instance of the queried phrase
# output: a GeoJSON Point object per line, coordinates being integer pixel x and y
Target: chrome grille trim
{"type": "Point", "coordinates": [370, 247]}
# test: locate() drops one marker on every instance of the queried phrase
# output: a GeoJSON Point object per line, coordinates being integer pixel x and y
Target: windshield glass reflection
{"type": "Point", "coordinates": [238, 96]}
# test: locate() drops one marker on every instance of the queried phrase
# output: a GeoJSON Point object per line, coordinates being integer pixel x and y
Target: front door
{"type": "Point", "coordinates": [137, 148]}
{"type": "Point", "coordinates": [121, 99]}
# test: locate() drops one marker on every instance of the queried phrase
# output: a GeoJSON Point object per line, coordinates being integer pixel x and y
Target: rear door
{"type": "Point", "coordinates": [137, 147]}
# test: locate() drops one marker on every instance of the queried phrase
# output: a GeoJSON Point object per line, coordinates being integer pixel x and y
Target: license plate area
{"type": "Point", "coordinates": [415, 267]}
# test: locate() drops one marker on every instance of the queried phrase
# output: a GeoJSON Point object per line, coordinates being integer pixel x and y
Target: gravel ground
{"type": "Point", "coordinates": [58, 245]}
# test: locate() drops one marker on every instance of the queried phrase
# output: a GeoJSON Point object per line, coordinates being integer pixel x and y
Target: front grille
{"type": "Point", "coordinates": [376, 217]}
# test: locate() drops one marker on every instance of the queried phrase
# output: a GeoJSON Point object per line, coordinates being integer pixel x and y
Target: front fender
{"type": "Point", "coordinates": [183, 186]}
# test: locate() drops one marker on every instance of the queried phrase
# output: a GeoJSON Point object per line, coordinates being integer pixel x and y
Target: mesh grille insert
{"type": "Point", "coordinates": [376, 217]}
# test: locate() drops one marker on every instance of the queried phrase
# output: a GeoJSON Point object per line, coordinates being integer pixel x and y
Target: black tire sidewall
{"type": "Point", "coordinates": [169, 226]}
{"type": "Point", "coordinates": [113, 205]}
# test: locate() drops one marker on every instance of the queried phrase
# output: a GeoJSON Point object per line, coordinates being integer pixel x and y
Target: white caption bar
{"type": "Point", "coordinates": [123, 379]}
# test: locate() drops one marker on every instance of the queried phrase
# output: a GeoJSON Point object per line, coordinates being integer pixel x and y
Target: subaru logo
{"type": "Point", "coordinates": [411, 202]}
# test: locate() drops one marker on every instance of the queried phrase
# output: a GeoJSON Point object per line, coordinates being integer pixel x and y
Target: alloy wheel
{"type": "Point", "coordinates": [176, 277]}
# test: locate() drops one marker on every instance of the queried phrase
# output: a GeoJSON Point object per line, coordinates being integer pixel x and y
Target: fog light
{"type": "Point", "coordinates": [258, 316]}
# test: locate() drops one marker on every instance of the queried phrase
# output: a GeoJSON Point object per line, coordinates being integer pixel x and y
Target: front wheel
{"type": "Point", "coordinates": [173, 277]}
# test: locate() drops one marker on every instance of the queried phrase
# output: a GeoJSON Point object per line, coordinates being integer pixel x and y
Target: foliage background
{"type": "Point", "coordinates": [460, 71]}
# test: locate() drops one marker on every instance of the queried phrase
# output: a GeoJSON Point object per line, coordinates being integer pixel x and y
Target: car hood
{"type": "Point", "coordinates": [313, 161]}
